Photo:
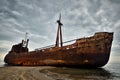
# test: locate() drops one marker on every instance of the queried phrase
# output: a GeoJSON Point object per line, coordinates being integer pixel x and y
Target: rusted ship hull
{"type": "Point", "coordinates": [76, 60]}
{"type": "Point", "coordinates": [85, 52]}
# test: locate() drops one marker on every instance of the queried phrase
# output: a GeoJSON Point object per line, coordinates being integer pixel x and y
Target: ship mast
{"type": "Point", "coordinates": [25, 42]}
{"type": "Point", "coordinates": [59, 33]}
{"type": "Point", "coordinates": [26, 36]}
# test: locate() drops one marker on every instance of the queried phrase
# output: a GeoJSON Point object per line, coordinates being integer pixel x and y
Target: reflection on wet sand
{"type": "Point", "coordinates": [22, 73]}
{"type": "Point", "coordinates": [63, 73]}
{"type": "Point", "coordinates": [55, 73]}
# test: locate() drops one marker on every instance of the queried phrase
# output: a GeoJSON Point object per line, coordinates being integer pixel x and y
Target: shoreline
{"type": "Point", "coordinates": [23, 73]}
{"type": "Point", "coordinates": [59, 73]}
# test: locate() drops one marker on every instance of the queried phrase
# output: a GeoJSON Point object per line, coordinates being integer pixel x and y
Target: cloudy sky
{"type": "Point", "coordinates": [80, 18]}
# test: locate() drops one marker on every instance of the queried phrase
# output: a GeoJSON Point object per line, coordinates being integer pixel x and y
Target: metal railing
{"type": "Point", "coordinates": [46, 47]}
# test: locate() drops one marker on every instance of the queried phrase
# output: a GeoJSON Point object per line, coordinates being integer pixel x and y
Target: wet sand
{"type": "Point", "coordinates": [54, 73]}
{"type": "Point", "coordinates": [23, 73]}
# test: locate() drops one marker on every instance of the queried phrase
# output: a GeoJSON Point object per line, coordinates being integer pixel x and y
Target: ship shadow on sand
{"type": "Point", "coordinates": [63, 73]}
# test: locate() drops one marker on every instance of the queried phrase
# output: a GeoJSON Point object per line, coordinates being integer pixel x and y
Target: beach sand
{"type": "Point", "coordinates": [23, 73]}
{"type": "Point", "coordinates": [54, 73]}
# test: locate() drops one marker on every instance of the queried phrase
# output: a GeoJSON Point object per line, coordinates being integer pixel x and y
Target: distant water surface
{"type": "Point", "coordinates": [2, 64]}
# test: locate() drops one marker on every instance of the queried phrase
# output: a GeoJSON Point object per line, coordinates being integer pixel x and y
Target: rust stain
{"type": "Point", "coordinates": [90, 51]}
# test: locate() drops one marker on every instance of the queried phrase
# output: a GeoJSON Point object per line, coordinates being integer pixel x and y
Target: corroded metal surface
{"type": "Point", "coordinates": [91, 51]}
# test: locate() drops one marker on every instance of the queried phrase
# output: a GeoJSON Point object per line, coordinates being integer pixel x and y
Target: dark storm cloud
{"type": "Point", "coordinates": [115, 1]}
{"type": "Point", "coordinates": [38, 17]}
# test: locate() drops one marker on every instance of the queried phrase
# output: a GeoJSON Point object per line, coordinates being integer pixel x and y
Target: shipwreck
{"type": "Point", "coordinates": [91, 51]}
